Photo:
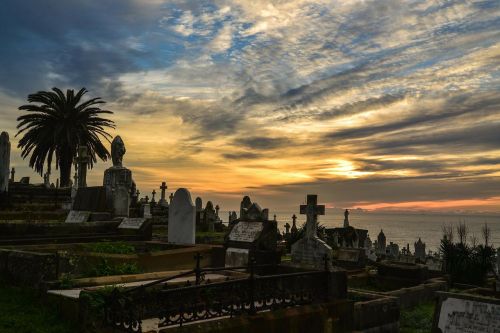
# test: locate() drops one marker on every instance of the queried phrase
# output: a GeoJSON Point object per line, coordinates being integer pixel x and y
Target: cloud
{"type": "Point", "coordinates": [362, 101]}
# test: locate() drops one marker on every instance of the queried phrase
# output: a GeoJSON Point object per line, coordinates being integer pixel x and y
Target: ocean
{"type": "Point", "coordinates": [401, 228]}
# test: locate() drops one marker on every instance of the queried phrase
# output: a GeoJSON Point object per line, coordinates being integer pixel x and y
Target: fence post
{"type": "Point", "coordinates": [252, 309]}
{"type": "Point", "coordinates": [197, 269]}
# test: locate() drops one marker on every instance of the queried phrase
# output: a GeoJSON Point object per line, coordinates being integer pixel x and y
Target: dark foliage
{"type": "Point", "coordinates": [57, 123]}
{"type": "Point", "coordinates": [469, 264]}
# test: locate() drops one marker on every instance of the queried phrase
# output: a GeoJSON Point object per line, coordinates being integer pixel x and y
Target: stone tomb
{"type": "Point", "coordinates": [77, 216]}
{"type": "Point", "coordinates": [310, 251]}
{"type": "Point", "coordinates": [351, 258]}
{"type": "Point", "coordinates": [182, 218]}
{"type": "Point", "coordinates": [466, 313]}
{"type": "Point", "coordinates": [257, 239]}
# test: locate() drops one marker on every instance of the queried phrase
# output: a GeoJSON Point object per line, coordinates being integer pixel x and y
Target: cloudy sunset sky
{"type": "Point", "coordinates": [372, 104]}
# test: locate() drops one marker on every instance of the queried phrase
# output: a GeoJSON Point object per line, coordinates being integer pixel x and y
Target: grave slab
{"type": "Point", "coordinates": [78, 216]}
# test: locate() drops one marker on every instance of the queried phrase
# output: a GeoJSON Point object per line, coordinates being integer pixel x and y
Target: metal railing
{"type": "Point", "coordinates": [171, 305]}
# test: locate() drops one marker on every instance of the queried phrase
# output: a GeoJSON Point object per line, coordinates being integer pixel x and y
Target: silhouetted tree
{"type": "Point", "coordinates": [57, 124]}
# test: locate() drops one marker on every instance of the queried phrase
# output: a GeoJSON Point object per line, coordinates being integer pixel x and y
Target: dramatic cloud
{"type": "Point", "coordinates": [369, 103]}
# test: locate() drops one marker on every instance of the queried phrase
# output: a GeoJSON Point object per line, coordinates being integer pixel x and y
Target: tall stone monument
{"type": "Point", "coordinates": [310, 251]}
{"type": "Point", "coordinates": [182, 218]}
{"type": "Point", "coordinates": [118, 181]}
{"type": "Point", "coordinates": [82, 161]}
{"type": "Point", "coordinates": [419, 249]}
{"type": "Point", "coordinates": [4, 162]}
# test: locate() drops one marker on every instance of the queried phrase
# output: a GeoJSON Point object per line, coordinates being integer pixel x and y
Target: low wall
{"type": "Point", "coordinates": [423, 293]}
{"type": "Point", "coordinates": [375, 313]}
{"type": "Point", "coordinates": [28, 268]}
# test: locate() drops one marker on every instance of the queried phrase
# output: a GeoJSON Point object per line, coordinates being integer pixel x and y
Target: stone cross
{"type": "Point", "coordinates": [153, 198]}
{"type": "Point", "coordinates": [146, 199]}
{"type": "Point", "coordinates": [163, 188]}
{"type": "Point", "coordinates": [287, 227]}
{"type": "Point", "coordinates": [312, 210]}
{"type": "Point", "coordinates": [217, 210]}
{"type": "Point", "coordinates": [81, 165]}
{"type": "Point", "coordinates": [171, 197]}
{"type": "Point", "coordinates": [12, 174]}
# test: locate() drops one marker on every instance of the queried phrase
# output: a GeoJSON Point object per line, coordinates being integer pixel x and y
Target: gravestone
{"type": "Point", "coordinates": [310, 251]}
{"type": "Point", "coordinates": [381, 243]}
{"type": "Point", "coordinates": [469, 313]}
{"type": "Point", "coordinates": [182, 218]}
{"type": "Point", "coordinates": [209, 217]}
{"type": "Point", "coordinates": [132, 223]}
{"type": "Point", "coordinates": [351, 258]}
{"type": "Point", "coordinates": [118, 181]}
{"type": "Point", "coordinates": [252, 239]}
{"type": "Point", "coordinates": [198, 204]}
{"type": "Point", "coordinates": [420, 250]}
{"type": "Point", "coordinates": [244, 205]}
{"type": "Point", "coordinates": [163, 201]}
{"type": "Point", "coordinates": [146, 211]}
{"type": "Point", "coordinates": [4, 162]}
{"type": "Point", "coordinates": [12, 175]}
{"type": "Point", "coordinates": [77, 216]}
{"type": "Point", "coordinates": [256, 237]}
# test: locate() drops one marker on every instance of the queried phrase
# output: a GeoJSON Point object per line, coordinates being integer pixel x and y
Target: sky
{"type": "Point", "coordinates": [377, 104]}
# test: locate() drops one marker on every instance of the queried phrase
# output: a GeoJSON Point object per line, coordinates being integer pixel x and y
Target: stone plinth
{"type": "Point", "coordinates": [310, 253]}
{"type": "Point", "coordinates": [4, 162]}
{"type": "Point", "coordinates": [118, 183]}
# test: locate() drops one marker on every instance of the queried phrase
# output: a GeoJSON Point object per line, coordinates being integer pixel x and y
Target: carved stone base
{"type": "Point", "coordinates": [309, 252]}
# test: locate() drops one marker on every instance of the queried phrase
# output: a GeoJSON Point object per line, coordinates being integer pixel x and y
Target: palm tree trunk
{"type": "Point", "coordinates": [65, 170]}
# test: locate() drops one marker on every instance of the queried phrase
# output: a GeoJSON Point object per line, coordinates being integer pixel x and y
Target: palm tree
{"type": "Point", "coordinates": [58, 124]}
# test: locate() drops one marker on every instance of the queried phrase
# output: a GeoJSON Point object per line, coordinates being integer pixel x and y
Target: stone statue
{"type": "Point", "coordinates": [117, 151]}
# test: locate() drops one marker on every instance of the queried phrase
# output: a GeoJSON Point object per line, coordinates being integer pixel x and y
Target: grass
{"type": "Point", "coordinates": [111, 248]}
{"type": "Point", "coordinates": [21, 311]}
{"type": "Point", "coordinates": [417, 319]}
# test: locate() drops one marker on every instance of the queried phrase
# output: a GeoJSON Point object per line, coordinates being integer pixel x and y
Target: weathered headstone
{"type": "Point", "coordinates": [199, 204]}
{"type": "Point", "coordinates": [253, 236]}
{"type": "Point", "coordinates": [310, 251]}
{"type": "Point", "coordinates": [132, 223]}
{"type": "Point", "coordinates": [209, 216]}
{"type": "Point", "coordinates": [420, 250]}
{"type": "Point", "coordinates": [182, 218]}
{"type": "Point", "coordinates": [245, 204]}
{"type": "Point", "coordinates": [456, 313]}
{"type": "Point", "coordinates": [118, 181]}
{"type": "Point", "coordinates": [4, 162]}
{"type": "Point", "coordinates": [77, 216]}
{"type": "Point", "coordinates": [146, 211]}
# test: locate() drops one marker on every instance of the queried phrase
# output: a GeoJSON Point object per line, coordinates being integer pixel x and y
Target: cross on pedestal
{"type": "Point", "coordinates": [163, 188]}
{"type": "Point", "coordinates": [153, 198]}
{"type": "Point", "coordinates": [312, 210]}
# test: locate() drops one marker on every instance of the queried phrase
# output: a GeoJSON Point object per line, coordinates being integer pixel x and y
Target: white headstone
{"type": "Point", "coordinates": [182, 218]}
{"type": "Point", "coordinates": [132, 223]}
{"type": "Point", "coordinates": [4, 162]}
{"type": "Point", "coordinates": [77, 216]}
